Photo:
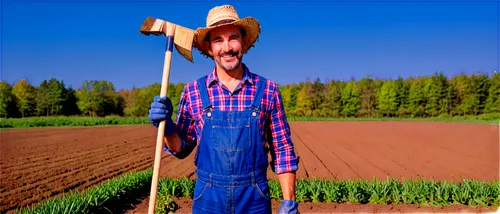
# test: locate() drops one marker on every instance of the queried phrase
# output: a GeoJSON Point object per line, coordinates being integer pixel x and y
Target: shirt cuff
{"type": "Point", "coordinates": [284, 166]}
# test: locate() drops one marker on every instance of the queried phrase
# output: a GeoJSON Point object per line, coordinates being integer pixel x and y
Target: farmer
{"type": "Point", "coordinates": [235, 117]}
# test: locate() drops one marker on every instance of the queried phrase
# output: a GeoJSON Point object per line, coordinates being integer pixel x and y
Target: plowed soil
{"type": "Point", "coordinates": [44, 162]}
{"type": "Point", "coordinates": [186, 204]}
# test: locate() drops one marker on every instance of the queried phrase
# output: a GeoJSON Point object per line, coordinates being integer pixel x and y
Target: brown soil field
{"type": "Point", "coordinates": [186, 204]}
{"type": "Point", "coordinates": [43, 162]}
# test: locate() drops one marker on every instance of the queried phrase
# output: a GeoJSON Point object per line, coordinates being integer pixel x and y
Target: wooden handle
{"type": "Point", "coordinates": [169, 33]}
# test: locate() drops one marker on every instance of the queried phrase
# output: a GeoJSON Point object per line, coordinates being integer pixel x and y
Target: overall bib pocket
{"type": "Point", "coordinates": [232, 137]}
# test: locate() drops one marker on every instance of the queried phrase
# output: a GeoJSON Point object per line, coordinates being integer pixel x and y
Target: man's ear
{"type": "Point", "coordinates": [206, 46]}
{"type": "Point", "coordinates": [243, 37]}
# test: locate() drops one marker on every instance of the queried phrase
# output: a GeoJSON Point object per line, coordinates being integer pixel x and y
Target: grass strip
{"type": "Point", "coordinates": [114, 194]}
{"type": "Point", "coordinates": [105, 198]}
{"type": "Point", "coordinates": [493, 118]}
{"type": "Point", "coordinates": [28, 122]}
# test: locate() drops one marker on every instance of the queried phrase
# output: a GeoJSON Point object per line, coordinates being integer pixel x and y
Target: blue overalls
{"type": "Point", "coordinates": [231, 161]}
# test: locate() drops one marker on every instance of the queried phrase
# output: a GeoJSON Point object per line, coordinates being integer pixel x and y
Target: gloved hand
{"type": "Point", "coordinates": [289, 206]}
{"type": "Point", "coordinates": [161, 109]}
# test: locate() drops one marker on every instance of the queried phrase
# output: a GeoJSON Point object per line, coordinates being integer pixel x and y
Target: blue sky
{"type": "Point", "coordinates": [76, 41]}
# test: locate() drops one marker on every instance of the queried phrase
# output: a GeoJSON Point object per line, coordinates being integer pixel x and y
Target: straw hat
{"type": "Point", "coordinates": [227, 15]}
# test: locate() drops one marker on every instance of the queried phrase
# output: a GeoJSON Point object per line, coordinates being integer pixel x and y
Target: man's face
{"type": "Point", "coordinates": [226, 46]}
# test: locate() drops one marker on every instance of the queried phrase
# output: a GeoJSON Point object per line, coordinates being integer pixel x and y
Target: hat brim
{"type": "Point", "coordinates": [249, 24]}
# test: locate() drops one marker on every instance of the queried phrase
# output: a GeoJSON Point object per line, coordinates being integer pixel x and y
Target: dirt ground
{"type": "Point", "coordinates": [43, 162]}
{"type": "Point", "coordinates": [185, 206]}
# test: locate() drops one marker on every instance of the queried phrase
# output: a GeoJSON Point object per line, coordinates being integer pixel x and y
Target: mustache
{"type": "Point", "coordinates": [229, 53]}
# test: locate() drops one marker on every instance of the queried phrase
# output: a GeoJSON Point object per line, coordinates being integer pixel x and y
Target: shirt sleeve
{"type": "Point", "coordinates": [283, 153]}
{"type": "Point", "coordinates": [185, 127]}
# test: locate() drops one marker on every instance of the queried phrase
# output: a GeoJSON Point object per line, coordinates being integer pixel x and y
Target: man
{"type": "Point", "coordinates": [235, 117]}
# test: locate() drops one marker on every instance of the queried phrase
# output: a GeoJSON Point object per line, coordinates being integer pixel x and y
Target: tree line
{"type": "Point", "coordinates": [421, 96]}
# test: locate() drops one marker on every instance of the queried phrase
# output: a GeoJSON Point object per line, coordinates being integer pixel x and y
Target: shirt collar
{"type": "Point", "coordinates": [247, 76]}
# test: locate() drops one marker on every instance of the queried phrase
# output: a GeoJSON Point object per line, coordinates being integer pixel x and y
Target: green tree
{"type": "Point", "coordinates": [294, 91]}
{"type": "Point", "coordinates": [368, 97]}
{"type": "Point", "coordinates": [403, 90]}
{"type": "Point", "coordinates": [351, 99]}
{"type": "Point", "coordinates": [378, 85]}
{"type": "Point", "coordinates": [316, 96]}
{"type": "Point", "coordinates": [473, 92]}
{"type": "Point", "coordinates": [25, 95]}
{"type": "Point", "coordinates": [132, 107]}
{"type": "Point", "coordinates": [466, 96]}
{"type": "Point", "coordinates": [326, 105]}
{"type": "Point", "coordinates": [451, 99]}
{"type": "Point", "coordinates": [56, 96]}
{"type": "Point", "coordinates": [285, 94]}
{"type": "Point", "coordinates": [7, 101]}
{"type": "Point", "coordinates": [141, 99]}
{"type": "Point", "coordinates": [174, 93]}
{"type": "Point", "coordinates": [334, 98]}
{"type": "Point", "coordinates": [416, 97]}
{"type": "Point", "coordinates": [493, 101]}
{"type": "Point", "coordinates": [87, 98]}
{"type": "Point", "coordinates": [388, 99]}
{"type": "Point", "coordinates": [434, 90]}
{"type": "Point", "coordinates": [482, 89]}
{"type": "Point", "coordinates": [304, 101]}
{"type": "Point", "coordinates": [42, 98]}
{"type": "Point", "coordinates": [70, 106]}
{"type": "Point", "coordinates": [98, 98]}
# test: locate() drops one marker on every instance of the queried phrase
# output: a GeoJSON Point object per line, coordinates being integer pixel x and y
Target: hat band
{"type": "Point", "coordinates": [223, 21]}
{"type": "Point", "coordinates": [216, 18]}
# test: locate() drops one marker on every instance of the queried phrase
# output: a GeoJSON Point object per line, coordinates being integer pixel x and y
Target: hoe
{"type": "Point", "coordinates": [182, 39]}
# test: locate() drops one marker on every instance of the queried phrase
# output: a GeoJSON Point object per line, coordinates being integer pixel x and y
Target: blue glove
{"type": "Point", "coordinates": [161, 109]}
{"type": "Point", "coordinates": [289, 206]}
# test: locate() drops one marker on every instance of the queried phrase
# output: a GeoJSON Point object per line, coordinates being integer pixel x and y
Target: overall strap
{"type": "Point", "coordinates": [202, 86]}
{"type": "Point", "coordinates": [261, 85]}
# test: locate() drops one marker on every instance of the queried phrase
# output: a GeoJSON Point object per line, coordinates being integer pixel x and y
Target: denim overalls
{"type": "Point", "coordinates": [231, 162]}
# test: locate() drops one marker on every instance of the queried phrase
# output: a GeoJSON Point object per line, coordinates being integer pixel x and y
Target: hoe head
{"type": "Point", "coordinates": [183, 37]}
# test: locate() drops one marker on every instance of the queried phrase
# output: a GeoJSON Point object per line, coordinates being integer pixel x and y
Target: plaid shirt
{"type": "Point", "coordinates": [276, 130]}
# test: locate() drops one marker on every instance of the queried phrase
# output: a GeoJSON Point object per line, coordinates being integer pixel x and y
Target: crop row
{"type": "Point", "coordinates": [27, 122]}
{"type": "Point", "coordinates": [390, 191]}
{"type": "Point", "coordinates": [113, 193]}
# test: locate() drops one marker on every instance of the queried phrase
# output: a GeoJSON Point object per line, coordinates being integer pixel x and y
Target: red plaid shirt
{"type": "Point", "coordinates": [276, 131]}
